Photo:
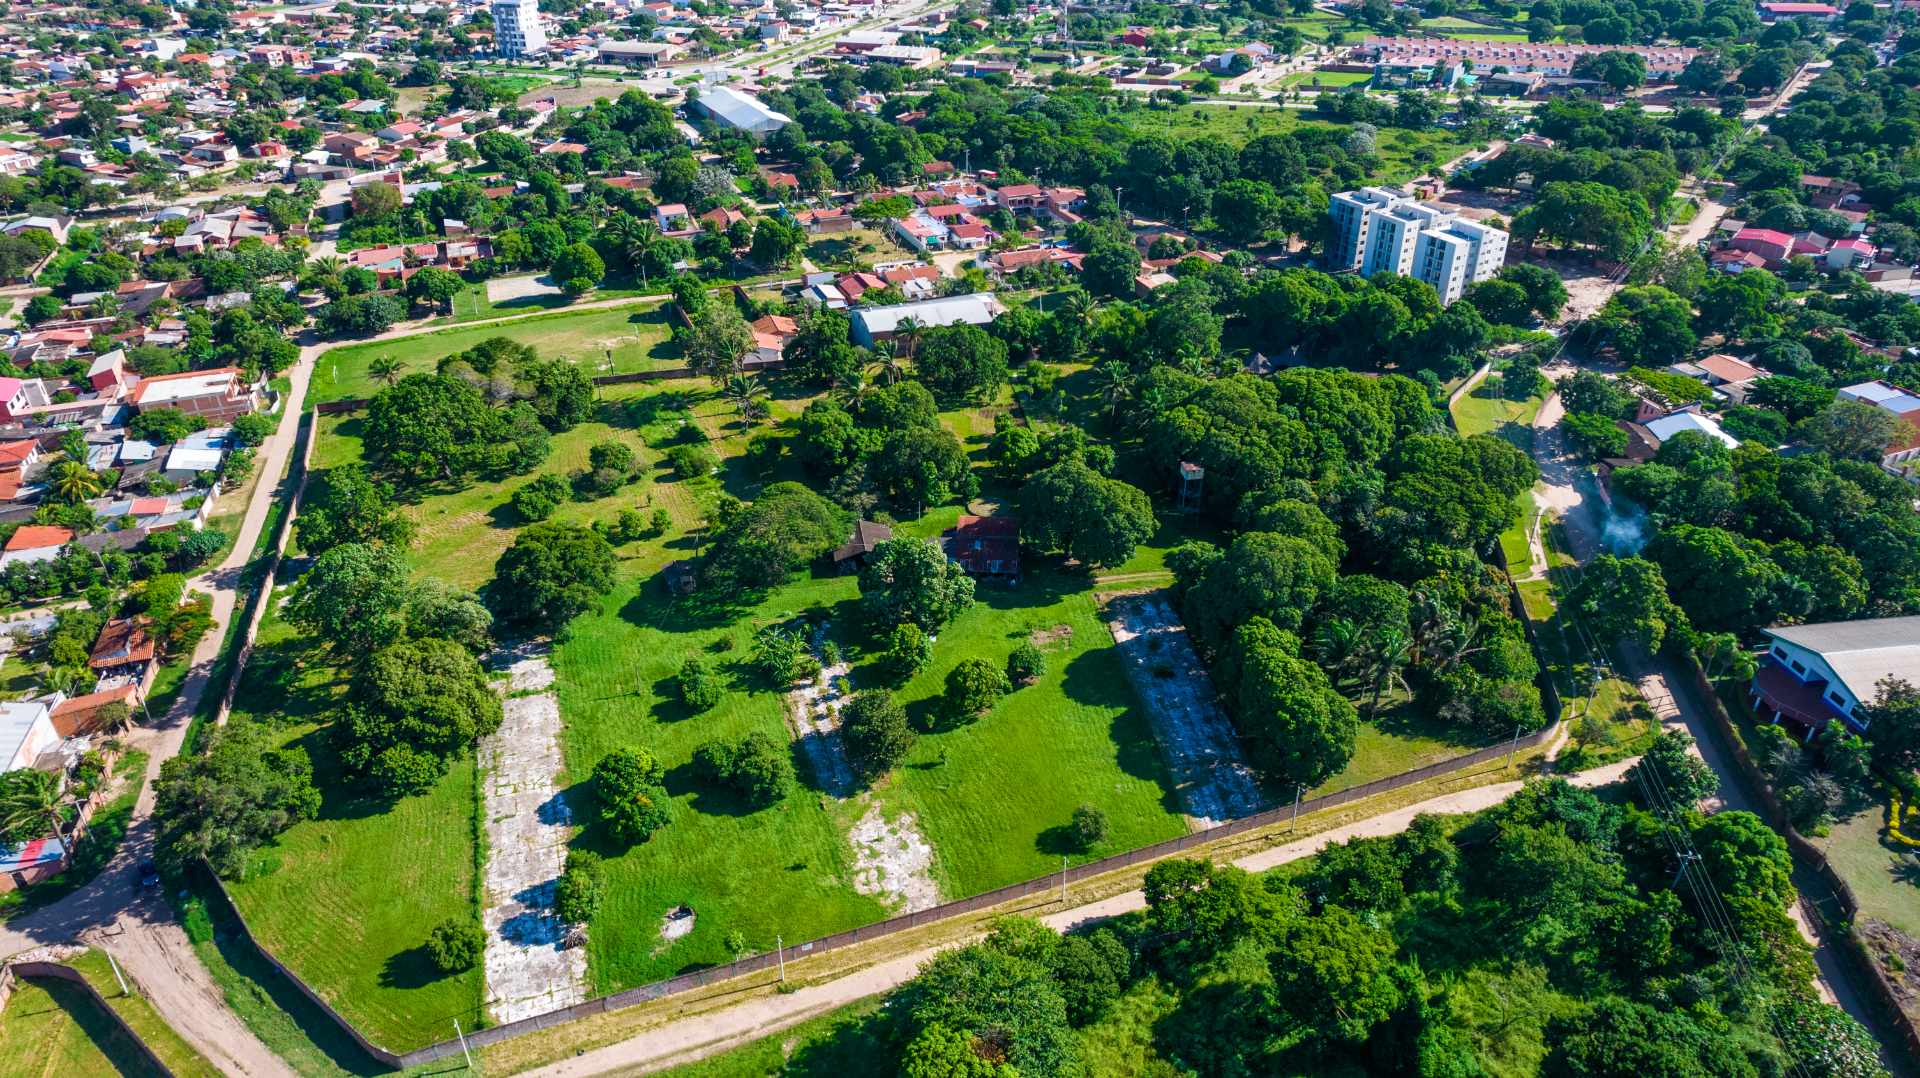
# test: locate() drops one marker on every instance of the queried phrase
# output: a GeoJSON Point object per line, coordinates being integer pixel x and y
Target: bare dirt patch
{"type": "Point", "coordinates": [1201, 747]}
{"type": "Point", "coordinates": [529, 969]}
{"type": "Point", "coordinates": [504, 289]}
{"type": "Point", "coordinates": [893, 861]}
{"type": "Point", "coordinates": [1058, 636]}
{"type": "Point", "coordinates": [675, 924]}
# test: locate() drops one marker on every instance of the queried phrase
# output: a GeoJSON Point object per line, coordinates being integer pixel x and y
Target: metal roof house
{"type": "Point", "coordinates": [741, 111]}
{"type": "Point", "coordinates": [872, 324]}
{"type": "Point", "coordinates": [1813, 674]}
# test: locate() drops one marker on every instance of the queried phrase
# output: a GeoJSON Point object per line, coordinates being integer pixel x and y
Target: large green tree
{"type": "Point", "coordinates": [1090, 518]}
{"type": "Point", "coordinates": [913, 581]}
{"type": "Point", "coordinates": [551, 574]}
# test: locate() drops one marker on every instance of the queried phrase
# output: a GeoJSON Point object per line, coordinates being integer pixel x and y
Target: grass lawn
{"type": "Point", "coordinates": [97, 847]}
{"type": "Point", "coordinates": [51, 1027]}
{"type": "Point", "coordinates": [1395, 146]}
{"type": "Point", "coordinates": [1328, 80]}
{"type": "Point", "coordinates": [637, 335]}
{"type": "Point", "coordinates": [1857, 848]}
{"type": "Point", "coordinates": [145, 1022]}
{"type": "Point", "coordinates": [1485, 411]}
{"type": "Point", "coordinates": [1401, 739]}
{"type": "Point", "coordinates": [379, 877]}
{"type": "Point", "coordinates": [994, 795]}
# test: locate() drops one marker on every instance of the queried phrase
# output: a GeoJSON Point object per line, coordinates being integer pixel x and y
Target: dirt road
{"type": "Point", "coordinates": [699, 1036]}
{"type": "Point", "coordinates": [138, 927]}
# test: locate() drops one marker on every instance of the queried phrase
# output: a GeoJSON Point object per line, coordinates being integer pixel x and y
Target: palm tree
{"type": "Point", "coordinates": [73, 481]}
{"type": "Point", "coordinates": [907, 331]}
{"type": "Point", "coordinates": [1191, 360]}
{"type": "Point", "coordinates": [1115, 380]}
{"type": "Point", "coordinates": [1079, 308]}
{"type": "Point", "coordinates": [1390, 652]}
{"type": "Point", "coordinates": [852, 389]}
{"type": "Point", "coordinates": [635, 238]}
{"type": "Point", "coordinates": [29, 801]}
{"type": "Point", "coordinates": [887, 368]}
{"type": "Point", "coordinates": [384, 369]}
{"type": "Point", "coordinates": [747, 396]}
{"type": "Point", "coordinates": [328, 265]}
{"type": "Point", "coordinates": [1337, 644]}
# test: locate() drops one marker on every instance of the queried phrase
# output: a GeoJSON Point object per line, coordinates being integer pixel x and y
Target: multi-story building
{"type": "Point", "coordinates": [1378, 230]}
{"type": "Point", "coordinates": [516, 28]}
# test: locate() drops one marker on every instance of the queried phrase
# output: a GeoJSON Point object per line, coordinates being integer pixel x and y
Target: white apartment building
{"type": "Point", "coordinates": [516, 28]}
{"type": "Point", "coordinates": [1378, 230]}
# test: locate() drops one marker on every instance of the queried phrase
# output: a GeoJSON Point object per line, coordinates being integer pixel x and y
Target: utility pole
{"type": "Point", "coordinates": [1515, 746]}
{"type": "Point", "coordinates": [463, 1043]}
{"type": "Point", "coordinates": [115, 966]}
{"type": "Point", "coordinates": [780, 955]}
{"type": "Point", "coordinates": [1063, 881]}
{"type": "Point", "coordinates": [1293, 824]}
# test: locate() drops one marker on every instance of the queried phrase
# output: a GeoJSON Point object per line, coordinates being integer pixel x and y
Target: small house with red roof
{"type": "Point", "coordinates": [35, 542]}
{"type": "Point", "coordinates": [985, 546]}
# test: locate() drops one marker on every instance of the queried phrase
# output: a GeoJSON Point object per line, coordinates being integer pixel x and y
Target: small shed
{"type": "Point", "coordinates": [866, 536]}
{"type": "Point", "coordinates": [683, 577]}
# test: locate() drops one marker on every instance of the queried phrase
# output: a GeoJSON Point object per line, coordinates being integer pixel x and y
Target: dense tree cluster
{"type": "Point", "coordinates": [1551, 934]}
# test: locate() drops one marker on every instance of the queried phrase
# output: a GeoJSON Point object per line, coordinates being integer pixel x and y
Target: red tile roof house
{"type": "Point", "coordinates": [35, 542]}
{"type": "Point", "coordinates": [985, 546]}
{"type": "Point", "coordinates": [1773, 245]}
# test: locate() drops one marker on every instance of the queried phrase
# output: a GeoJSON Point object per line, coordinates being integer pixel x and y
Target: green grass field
{"type": "Point", "coordinates": [379, 877]}
{"type": "Point", "coordinates": [637, 335]}
{"type": "Point", "coordinates": [50, 1027]}
{"type": "Point", "coordinates": [1326, 80]}
{"type": "Point", "coordinates": [140, 1016]}
{"type": "Point", "coordinates": [1395, 146]}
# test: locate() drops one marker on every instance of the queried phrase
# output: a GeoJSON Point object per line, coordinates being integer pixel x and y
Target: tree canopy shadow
{"type": "Point", "coordinates": [411, 968]}
{"type": "Point", "coordinates": [705, 797]}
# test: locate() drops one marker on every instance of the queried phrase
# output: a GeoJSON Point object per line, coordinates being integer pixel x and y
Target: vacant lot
{"type": "Point", "coordinates": [52, 1027]}
{"type": "Point", "coordinates": [635, 335]}
{"type": "Point", "coordinates": [347, 899]}
{"type": "Point", "coordinates": [1403, 153]}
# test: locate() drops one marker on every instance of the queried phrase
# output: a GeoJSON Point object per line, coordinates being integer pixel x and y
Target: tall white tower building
{"type": "Point", "coordinates": [1379, 230]}
{"type": "Point", "coordinates": [516, 28]}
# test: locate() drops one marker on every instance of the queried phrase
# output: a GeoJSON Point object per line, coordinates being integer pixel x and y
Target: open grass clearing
{"type": "Point", "coordinates": [1326, 80]}
{"type": "Point", "coordinates": [1396, 147]}
{"type": "Point", "coordinates": [140, 1016]}
{"type": "Point", "coordinates": [52, 1027]}
{"type": "Point", "coordinates": [635, 334]}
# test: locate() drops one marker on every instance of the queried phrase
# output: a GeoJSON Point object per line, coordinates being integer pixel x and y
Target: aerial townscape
{"type": "Point", "coordinates": [960, 538]}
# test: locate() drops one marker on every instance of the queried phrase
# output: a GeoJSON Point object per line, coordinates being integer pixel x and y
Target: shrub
{"type": "Point", "coordinates": [660, 521]}
{"type": "Point", "coordinates": [974, 687]}
{"type": "Point", "coordinates": [576, 898]}
{"type": "Point", "coordinates": [455, 945]}
{"type": "Point", "coordinates": [781, 655]}
{"type": "Point", "coordinates": [698, 685]}
{"type": "Point", "coordinates": [908, 648]}
{"type": "Point", "coordinates": [1090, 826]}
{"type": "Point", "coordinates": [692, 461]}
{"type": "Point", "coordinates": [633, 804]}
{"type": "Point", "coordinates": [537, 500]}
{"type": "Point", "coordinates": [874, 728]}
{"type": "Point", "coordinates": [1026, 665]}
{"type": "Point", "coordinates": [755, 766]}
